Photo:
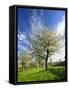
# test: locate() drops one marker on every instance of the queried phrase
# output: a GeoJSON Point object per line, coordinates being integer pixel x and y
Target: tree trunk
{"type": "Point", "coordinates": [46, 63]}
{"type": "Point", "coordinates": [22, 65]}
{"type": "Point", "coordinates": [46, 59]}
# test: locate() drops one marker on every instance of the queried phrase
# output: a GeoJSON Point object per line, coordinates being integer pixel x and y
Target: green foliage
{"type": "Point", "coordinates": [44, 40]}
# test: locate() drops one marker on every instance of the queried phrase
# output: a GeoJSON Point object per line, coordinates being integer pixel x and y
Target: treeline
{"type": "Point", "coordinates": [61, 63]}
{"type": "Point", "coordinates": [26, 61]}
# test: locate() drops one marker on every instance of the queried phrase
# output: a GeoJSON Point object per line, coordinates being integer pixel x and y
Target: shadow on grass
{"type": "Point", "coordinates": [58, 72]}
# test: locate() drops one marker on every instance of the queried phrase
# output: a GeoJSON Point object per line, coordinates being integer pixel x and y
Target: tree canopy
{"type": "Point", "coordinates": [44, 43]}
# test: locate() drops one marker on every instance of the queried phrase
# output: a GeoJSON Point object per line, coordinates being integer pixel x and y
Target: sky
{"type": "Point", "coordinates": [33, 19]}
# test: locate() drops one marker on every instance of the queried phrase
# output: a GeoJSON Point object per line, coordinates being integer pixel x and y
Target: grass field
{"type": "Point", "coordinates": [39, 74]}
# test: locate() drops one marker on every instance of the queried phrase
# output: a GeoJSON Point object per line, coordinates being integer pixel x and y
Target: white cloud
{"type": "Point", "coordinates": [21, 36]}
{"type": "Point", "coordinates": [60, 55]}
{"type": "Point", "coordinates": [60, 28]}
{"type": "Point", "coordinates": [24, 48]}
{"type": "Point", "coordinates": [36, 21]}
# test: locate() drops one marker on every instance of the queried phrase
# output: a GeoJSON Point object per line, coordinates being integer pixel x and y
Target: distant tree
{"type": "Point", "coordinates": [25, 59]}
{"type": "Point", "coordinates": [39, 61]}
{"type": "Point", "coordinates": [33, 64]}
{"type": "Point", "coordinates": [44, 43]}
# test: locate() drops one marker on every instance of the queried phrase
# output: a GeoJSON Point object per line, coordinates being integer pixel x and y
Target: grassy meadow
{"type": "Point", "coordinates": [40, 74]}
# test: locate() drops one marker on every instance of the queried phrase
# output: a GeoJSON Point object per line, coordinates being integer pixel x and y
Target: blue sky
{"type": "Point", "coordinates": [50, 17]}
{"type": "Point", "coordinates": [29, 19]}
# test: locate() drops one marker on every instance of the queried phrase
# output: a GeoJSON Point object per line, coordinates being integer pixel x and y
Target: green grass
{"type": "Point", "coordinates": [39, 74]}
